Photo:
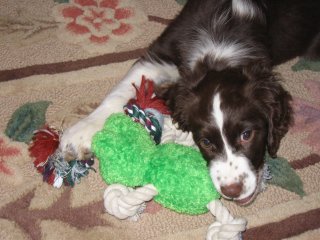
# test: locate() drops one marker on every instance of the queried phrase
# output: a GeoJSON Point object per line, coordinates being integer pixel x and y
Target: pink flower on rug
{"type": "Point", "coordinates": [5, 153]}
{"type": "Point", "coordinates": [307, 115]}
{"type": "Point", "coordinates": [153, 207]}
{"type": "Point", "coordinates": [98, 25]}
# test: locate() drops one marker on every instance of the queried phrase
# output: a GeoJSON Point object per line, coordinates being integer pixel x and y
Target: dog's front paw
{"type": "Point", "coordinates": [75, 142]}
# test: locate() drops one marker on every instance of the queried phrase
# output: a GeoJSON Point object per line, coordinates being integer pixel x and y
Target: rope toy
{"type": "Point", "coordinates": [171, 133]}
{"type": "Point", "coordinates": [176, 176]}
{"type": "Point", "coordinates": [49, 161]}
{"type": "Point", "coordinates": [225, 226]}
{"type": "Point", "coordinates": [123, 202]}
{"type": "Point", "coordinates": [147, 109]}
{"type": "Point", "coordinates": [146, 118]}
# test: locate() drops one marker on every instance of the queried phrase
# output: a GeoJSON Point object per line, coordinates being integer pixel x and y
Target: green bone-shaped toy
{"type": "Point", "coordinates": [128, 156]}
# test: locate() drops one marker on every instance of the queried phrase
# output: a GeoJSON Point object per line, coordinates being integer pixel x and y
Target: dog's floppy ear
{"type": "Point", "coordinates": [276, 105]}
{"type": "Point", "coordinates": [180, 100]}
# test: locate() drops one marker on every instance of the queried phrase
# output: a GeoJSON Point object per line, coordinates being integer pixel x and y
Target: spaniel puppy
{"type": "Point", "coordinates": [213, 64]}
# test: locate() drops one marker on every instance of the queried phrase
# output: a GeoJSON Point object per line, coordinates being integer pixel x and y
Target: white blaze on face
{"type": "Point", "coordinates": [230, 167]}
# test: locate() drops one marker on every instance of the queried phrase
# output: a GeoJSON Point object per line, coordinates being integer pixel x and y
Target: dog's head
{"type": "Point", "coordinates": [235, 117]}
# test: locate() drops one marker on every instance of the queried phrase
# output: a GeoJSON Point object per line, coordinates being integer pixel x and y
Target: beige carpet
{"type": "Point", "coordinates": [61, 51]}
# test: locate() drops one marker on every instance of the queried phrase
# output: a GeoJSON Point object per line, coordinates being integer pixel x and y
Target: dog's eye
{"type": "Point", "coordinates": [246, 136]}
{"type": "Point", "coordinates": [205, 143]}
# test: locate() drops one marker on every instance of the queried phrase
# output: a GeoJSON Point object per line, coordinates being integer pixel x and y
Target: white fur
{"type": "Point", "coordinates": [77, 139]}
{"type": "Point", "coordinates": [244, 8]}
{"type": "Point", "coordinates": [231, 52]}
{"type": "Point", "coordinates": [230, 167]}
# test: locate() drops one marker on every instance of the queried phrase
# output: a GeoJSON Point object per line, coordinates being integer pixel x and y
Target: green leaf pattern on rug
{"type": "Point", "coordinates": [304, 64]}
{"type": "Point", "coordinates": [25, 120]}
{"type": "Point", "coordinates": [284, 176]}
{"type": "Point", "coordinates": [182, 2]}
{"type": "Point", "coordinates": [61, 1]}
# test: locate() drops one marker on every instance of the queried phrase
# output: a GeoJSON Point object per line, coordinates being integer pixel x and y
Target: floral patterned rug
{"type": "Point", "coordinates": [70, 53]}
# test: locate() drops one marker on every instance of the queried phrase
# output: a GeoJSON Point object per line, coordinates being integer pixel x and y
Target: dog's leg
{"type": "Point", "coordinates": [76, 140]}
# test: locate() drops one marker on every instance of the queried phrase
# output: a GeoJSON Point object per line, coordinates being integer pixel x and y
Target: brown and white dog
{"type": "Point", "coordinates": [213, 64]}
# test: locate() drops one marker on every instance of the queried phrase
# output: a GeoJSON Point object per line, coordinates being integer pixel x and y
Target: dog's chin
{"type": "Point", "coordinates": [248, 200]}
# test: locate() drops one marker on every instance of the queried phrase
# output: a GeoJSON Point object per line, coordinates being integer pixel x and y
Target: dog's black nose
{"type": "Point", "coordinates": [233, 190]}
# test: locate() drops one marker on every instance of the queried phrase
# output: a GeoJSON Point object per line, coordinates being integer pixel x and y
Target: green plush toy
{"type": "Point", "coordinates": [137, 170]}
{"type": "Point", "coordinates": [128, 156]}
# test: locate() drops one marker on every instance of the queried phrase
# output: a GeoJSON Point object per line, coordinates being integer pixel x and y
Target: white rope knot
{"type": "Point", "coordinates": [171, 133]}
{"type": "Point", "coordinates": [123, 202]}
{"type": "Point", "coordinates": [225, 226]}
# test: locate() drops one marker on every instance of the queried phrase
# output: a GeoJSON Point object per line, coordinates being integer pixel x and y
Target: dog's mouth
{"type": "Point", "coordinates": [248, 200]}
